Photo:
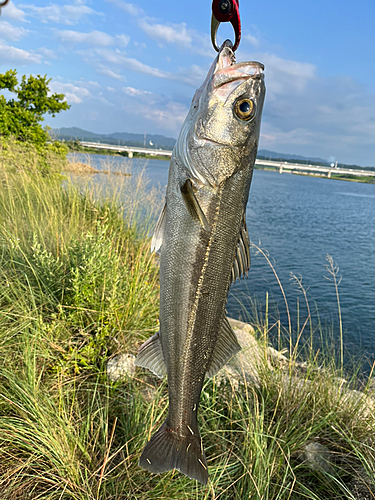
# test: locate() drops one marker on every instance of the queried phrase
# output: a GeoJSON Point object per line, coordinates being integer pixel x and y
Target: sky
{"type": "Point", "coordinates": [134, 67]}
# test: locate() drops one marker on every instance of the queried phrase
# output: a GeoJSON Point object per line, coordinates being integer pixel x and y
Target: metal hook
{"type": "Point", "coordinates": [225, 11]}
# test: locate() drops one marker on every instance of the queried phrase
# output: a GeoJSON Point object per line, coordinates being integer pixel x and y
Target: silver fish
{"type": "Point", "coordinates": [204, 246]}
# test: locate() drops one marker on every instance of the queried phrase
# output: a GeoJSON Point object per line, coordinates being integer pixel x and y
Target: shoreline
{"type": "Point", "coordinates": [360, 179]}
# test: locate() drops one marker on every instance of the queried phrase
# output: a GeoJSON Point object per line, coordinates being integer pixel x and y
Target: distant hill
{"type": "Point", "coordinates": [264, 153]}
{"type": "Point", "coordinates": [125, 138]}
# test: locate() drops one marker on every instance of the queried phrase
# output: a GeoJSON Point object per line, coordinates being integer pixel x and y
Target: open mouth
{"type": "Point", "coordinates": [227, 70]}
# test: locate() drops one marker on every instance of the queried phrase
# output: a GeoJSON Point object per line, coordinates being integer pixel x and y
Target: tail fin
{"type": "Point", "coordinates": [166, 451]}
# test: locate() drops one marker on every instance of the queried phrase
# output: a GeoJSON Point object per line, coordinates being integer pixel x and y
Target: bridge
{"type": "Point", "coordinates": [280, 166]}
{"type": "Point", "coordinates": [127, 149]}
{"type": "Point", "coordinates": [283, 166]}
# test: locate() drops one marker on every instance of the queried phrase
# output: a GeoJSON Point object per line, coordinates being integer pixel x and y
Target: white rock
{"type": "Point", "coordinates": [318, 457]}
{"type": "Point", "coordinates": [120, 367]}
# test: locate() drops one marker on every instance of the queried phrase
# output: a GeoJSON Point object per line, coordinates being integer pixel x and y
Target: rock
{"type": "Point", "coordinates": [317, 457]}
{"type": "Point", "coordinates": [120, 367]}
{"type": "Point", "coordinates": [248, 361]}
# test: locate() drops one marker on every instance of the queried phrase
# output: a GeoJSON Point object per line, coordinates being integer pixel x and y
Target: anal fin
{"type": "Point", "coordinates": [226, 346]}
{"type": "Point", "coordinates": [150, 356]}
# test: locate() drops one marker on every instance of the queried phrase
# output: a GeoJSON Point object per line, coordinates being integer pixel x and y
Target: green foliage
{"type": "Point", "coordinates": [72, 262]}
{"type": "Point", "coordinates": [22, 114]}
{"type": "Point", "coordinates": [30, 157]}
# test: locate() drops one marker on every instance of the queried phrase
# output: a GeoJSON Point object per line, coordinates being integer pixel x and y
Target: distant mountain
{"type": "Point", "coordinates": [264, 153]}
{"type": "Point", "coordinates": [72, 133]}
{"type": "Point", "coordinates": [151, 140]}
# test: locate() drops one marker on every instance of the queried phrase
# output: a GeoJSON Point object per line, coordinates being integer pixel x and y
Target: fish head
{"type": "Point", "coordinates": [221, 131]}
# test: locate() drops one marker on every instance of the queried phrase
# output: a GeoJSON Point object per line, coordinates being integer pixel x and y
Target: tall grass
{"type": "Point", "coordinates": [78, 285]}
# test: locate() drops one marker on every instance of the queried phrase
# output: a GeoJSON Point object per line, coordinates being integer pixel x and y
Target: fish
{"type": "Point", "coordinates": [203, 242]}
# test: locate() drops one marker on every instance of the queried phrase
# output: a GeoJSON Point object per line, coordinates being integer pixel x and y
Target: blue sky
{"type": "Point", "coordinates": [133, 67]}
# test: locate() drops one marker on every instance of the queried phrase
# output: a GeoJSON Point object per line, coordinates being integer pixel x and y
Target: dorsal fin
{"type": "Point", "coordinates": [241, 264]}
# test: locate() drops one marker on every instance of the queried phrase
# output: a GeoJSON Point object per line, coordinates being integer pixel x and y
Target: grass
{"type": "Point", "coordinates": [79, 285]}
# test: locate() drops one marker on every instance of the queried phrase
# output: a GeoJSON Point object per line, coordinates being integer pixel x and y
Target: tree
{"type": "Point", "coordinates": [22, 114]}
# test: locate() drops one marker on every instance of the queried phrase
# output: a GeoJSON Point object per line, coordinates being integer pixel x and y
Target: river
{"type": "Point", "coordinates": [298, 221]}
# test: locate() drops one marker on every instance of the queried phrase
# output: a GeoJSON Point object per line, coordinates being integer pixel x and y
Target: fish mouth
{"type": "Point", "coordinates": [227, 70]}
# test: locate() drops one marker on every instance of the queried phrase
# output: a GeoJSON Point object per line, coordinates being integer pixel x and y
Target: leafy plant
{"type": "Point", "coordinates": [22, 114]}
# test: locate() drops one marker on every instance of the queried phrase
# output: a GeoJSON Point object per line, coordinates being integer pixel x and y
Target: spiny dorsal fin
{"type": "Point", "coordinates": [157, 238]}
{"type": "Point", "coordinates": [193, 204]}
{"type": "Point", "coordinates": [241, 264]}
{"type": "Point", "coordinates": [226, 346]}
{"type": "Point", "coordinates": [150, 356]}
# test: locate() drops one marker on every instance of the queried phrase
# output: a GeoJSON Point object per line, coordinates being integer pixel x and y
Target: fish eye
{"type": "Point", "coordinates": [244, 109]}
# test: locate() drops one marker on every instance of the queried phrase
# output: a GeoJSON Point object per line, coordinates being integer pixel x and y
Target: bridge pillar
{"type": "Point", "coordinates": [329, 174]}
{"type": "Point", "coordinates": [130, 154]}
{"type": "Point", "coordinates": [280, 170]}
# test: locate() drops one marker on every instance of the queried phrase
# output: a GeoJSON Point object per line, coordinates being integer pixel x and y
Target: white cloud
{"type": "Point", "coordinates": [73, 93]}
{"type": "Point", "coordinates": [176, 33]}
{"type": "Point", "coordinates": [103, 57]}
{"type": "Point", "coordinates": [11, 32]}
{"type": "Point", "coordinates": [283, 76]}
{"type": "Point", "coordinates": [108, 72]}
{"type": "Point", "coordinates": [10, 11]}
{"type": "Point", "coordinates": [130, 8]}
{"type": "Point", "coordinates": [136, 92]}
{"type": "Point", "coordinates": [13, 55]}
{"type": "Point", "coordinates": [47, 53]}
{"type": "Point", "coordinates": [166, 114]}
{"type": "Point", "coordinates": [91, 38]}
{"type": "Point", "coordinates": [251, 39]}
{"type": "Point", "coordinates": [139, 67]}
{"type": "Point", "coordinates": [59, 14]}
{"type": "Point", "coordinates": [117, 57]}
{"type": "Point", "coordinates": [122, 40]}
{"type": "Point", "coordinates": [169, 116]}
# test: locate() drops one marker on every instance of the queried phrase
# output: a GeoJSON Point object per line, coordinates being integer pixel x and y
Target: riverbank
{"type": "Point", "coordinates": [80, 287]}
{"type": "Point", "coordinates": [338, 177]}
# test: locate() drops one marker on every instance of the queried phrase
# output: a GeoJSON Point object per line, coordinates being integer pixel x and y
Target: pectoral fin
{"type": "Point", "coordinates": [241, 264]}
{"type": "Point", "coordinates": [158, 236]}
{"type": "Point", "coordinates": [150, 356]}
{"type": "Point", "coordinates": [226, 346]}
{"type": "Point", "coordinates": [193, 204]}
